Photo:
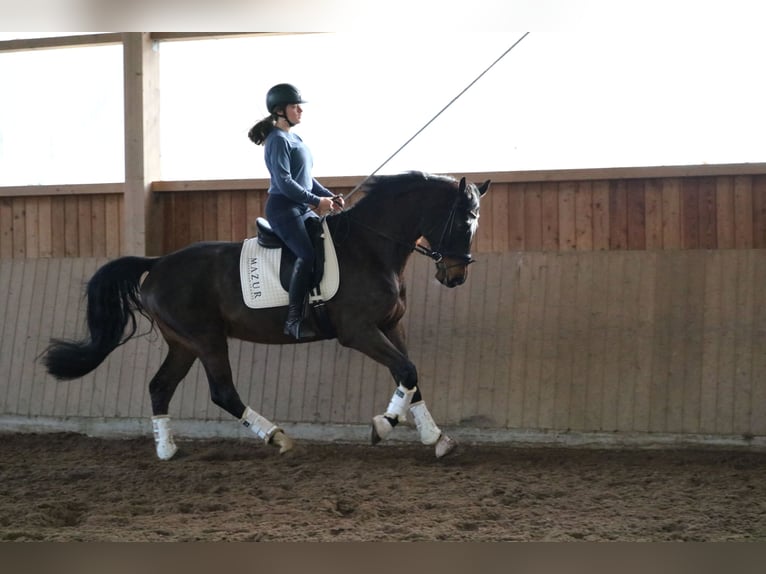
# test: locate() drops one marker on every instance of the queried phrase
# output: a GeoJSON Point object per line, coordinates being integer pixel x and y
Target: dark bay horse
{"type": "Point", "coordinates": [194, 297]}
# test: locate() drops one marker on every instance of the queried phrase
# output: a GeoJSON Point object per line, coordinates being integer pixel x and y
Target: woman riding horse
{"type": "Point", "coordinates": [292, 194]}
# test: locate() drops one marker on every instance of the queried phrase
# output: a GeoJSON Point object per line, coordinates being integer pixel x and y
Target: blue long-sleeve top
{"type": "Point", "coordinates": [289, 162]}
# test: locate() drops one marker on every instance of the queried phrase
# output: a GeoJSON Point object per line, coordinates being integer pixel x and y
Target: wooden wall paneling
{"type": "Point", "coordinates": [58, 223]}
{"type": "Point", "coordinates": [584, 213]}
{"type": "Point", "coordinates": [238, 216]}
{"type": "Point", "coordinates": [98, 225]}
{"type": "Point", "coordinates": [727, 337]}
{"type": "Point", "coordinates": [515, 217]}
{"type": "Point", "coordinates": [693, 325]}
{"type": "Point", "coordinates": [71, 227]}
{"type": "Point", "coordinates": [6, 228]}
{"type": "Point", "coordinates": [582, 308]}
{"type": "Point", "coordinates": [483, 344]}
{"type": "Point", "coordinates": [645, 322]}
{"type": "Point", "coordinates": [196, 217]}
{"type": "Point", "coordinates": [615, 343]}
{"type": "Point", "coordinates": [253, 206]}
{"type": "Point", "coordinates": [84, 226]}
{"type": "Point", "coordinates": [167, 201]}
{"type": "Point", "coordinates": [223, 225]}
{"type": "Point", "coordinates": [743, 212]}
{"type": "Point", "coordinates": [549, 352]}
{"type": "Point", "coordinates": [708, 224]}
{"type": "Point", "coordinates": [671, 213]}
{"type": "Point", "coordinates": [465, 361]}
{"type": "Point", "coordinates": [503, 317]}
{"type": "Point", "coordinates": [519, 272]}
{"type": "Point", "coordinates": [19, 232]}
{"type": "Point", "coordinates": [31, 227]}
{"type": "Point", "coordinates": [482, 241]}
{"type": "Point", "coordinates": [567, 216]}
{"type": "Point", "coordinates": [601, 216]}
{"type": "Point", "coordinates": [210, 220]}
{"type": "Point", "coordinates": [712, 330]}
{"type": "Point", "coordinates": [759, 212]}
{"type": "Point", "coordinates": [724, 210]}
{"type": "Point", "coordinates": [653, 210]}
{"type": "Point", "coordinates": [20, 321]}
{"type": "Point", "coordinates": [58, 328]}
{"type": "Point", "coordinates": [677, 284]}
{"type": "Point", "coordinates": [550, 216]}
{"type": "Point", "coordinates": [690, 213]}
{"type": "Point", "coordinates": [566, 335]}
{"type": "Point", "coordinates": [182, 215]}
{"type": "Point", "coordinates": [662, 376]}
{"type": "Point", "coordinates": [499, 221]}
{"type": "Point", "coordinates": [68, 392]}
{"type": "Point", "coordinates": [43, 382]}
{"type": "Point", "coordinates": [618, 215]}
{"type": "Point", "coordinates": [596, 344]}
{"type": "Point", "coordinates": [626, 329]}
{"type": "Point", "coordinates": [34, 335]}
{"type": "Point", "coordinates": [534, 350]}
{"type": "Point", "coordinates": [533, 217]}
{"type": "Point", "coordinates": [113, 222]}
{"type": "Point", "coordinates": [745, 318]}
{"type": "Point", "coordinates": [325, 372]}
{"type": "Point", "coordinates": [8, 328]}
{"type": "Point", "coordinates": [758, 392]}
{"type": "Point", "coordinates": [636, 217]}
{"type": "Point", "coordinates": [453, 309]}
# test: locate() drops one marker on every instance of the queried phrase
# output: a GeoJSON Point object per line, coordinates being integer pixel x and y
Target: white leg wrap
{"type": "Point", "coordinates": [163, 437]}
{"type": "Point", "coordinates": [260, 425]}
{"type": "Point", "coordinates": [429, 432]}
{"type": "Point", "coordinates": [400, 402]}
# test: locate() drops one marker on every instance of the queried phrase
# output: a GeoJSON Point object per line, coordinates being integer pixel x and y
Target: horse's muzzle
{"type": "Point", "coordinates": [452, 272]}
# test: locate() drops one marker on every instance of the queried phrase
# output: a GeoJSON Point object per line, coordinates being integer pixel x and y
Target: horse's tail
{"type": "Point", "coordinates": [113, 299]}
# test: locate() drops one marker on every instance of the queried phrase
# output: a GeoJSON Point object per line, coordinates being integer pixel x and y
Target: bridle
{"type": "Point", "coordinates": [437, 254]}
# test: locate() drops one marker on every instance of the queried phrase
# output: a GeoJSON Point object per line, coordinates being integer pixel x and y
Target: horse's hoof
{"type": "Point", "coordinates": [284, 442]}
{"type": "Point", "coordinates": [166, 450]}
{"type": "Point", "coordinates": [381, 428]}
{"type": "Point", "coordinates": [444, 446]}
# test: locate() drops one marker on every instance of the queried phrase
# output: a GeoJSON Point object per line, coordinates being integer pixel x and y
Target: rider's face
{"type": "Point", "coordinates": [293, 113]}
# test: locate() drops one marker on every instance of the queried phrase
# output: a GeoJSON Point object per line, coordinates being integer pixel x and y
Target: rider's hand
{"type": "Point", "coordinates": [325, 206]}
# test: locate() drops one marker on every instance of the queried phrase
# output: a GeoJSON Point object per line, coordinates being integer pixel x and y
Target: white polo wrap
{"type": "Point", "coordinates": [400, 402]}
{"type": "Point", "coordinates": [429, 432]}
{"type": "Point", "coordinates": [260, 425]}
{"type": "Point", "coordinates": [163, 437]}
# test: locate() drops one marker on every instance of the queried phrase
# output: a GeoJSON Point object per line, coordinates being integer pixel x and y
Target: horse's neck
{"type": "Point", "coordinates": [389, 233]}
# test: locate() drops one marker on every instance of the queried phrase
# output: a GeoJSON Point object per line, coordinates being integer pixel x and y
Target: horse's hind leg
{"type": "Point", "coordinates": [161, 388]}
{"type": "Point", "coordinates": [225, 395]}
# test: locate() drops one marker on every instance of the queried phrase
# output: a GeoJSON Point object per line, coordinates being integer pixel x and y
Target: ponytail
{"type": "Point", "coordinates": [259, 131]}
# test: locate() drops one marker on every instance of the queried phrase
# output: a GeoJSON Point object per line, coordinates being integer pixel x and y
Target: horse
{"type": "Point", "coordinates": [193, 297]}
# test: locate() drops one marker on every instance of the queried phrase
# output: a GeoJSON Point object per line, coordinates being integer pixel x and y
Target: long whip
{"type": "Point", "coordinates": [452, 101]}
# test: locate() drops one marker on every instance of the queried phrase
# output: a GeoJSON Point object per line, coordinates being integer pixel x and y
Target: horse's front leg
{"type": "Point", "coordinates": [389, 349]}
{"type": "Point", "coordinates": [430, 433]}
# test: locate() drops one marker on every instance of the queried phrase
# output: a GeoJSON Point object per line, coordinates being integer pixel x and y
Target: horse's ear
{"type": "Point", "coordinates": [462, 184]}
{"type": "Point", "coordinates": [484, 187]}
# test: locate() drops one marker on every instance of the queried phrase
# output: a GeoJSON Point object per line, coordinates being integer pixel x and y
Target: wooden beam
{"type": "Point", "coordinates": [142, 141]}
{"type": "Point", "coordinates": [60, 42]}
{"type": "Point", "coordinates": [62, 190]}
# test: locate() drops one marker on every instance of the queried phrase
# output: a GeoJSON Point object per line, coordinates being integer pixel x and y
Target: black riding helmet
{"type": "Point", "coordinates": [282, 95]}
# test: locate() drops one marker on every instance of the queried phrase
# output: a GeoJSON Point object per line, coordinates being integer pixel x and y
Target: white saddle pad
{"type": "Point", "coordinates": [259, 274]}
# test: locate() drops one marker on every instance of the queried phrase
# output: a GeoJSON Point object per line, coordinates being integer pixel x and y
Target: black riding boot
{"type": "Point", "coordinates": [300, 284]}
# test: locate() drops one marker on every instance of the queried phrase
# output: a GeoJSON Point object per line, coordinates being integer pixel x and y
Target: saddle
{"type": "Point", "coordinates": [268, 239]}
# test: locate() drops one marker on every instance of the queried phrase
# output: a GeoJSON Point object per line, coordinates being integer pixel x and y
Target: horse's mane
{"type": "Point", "coordinates": [401, 182]}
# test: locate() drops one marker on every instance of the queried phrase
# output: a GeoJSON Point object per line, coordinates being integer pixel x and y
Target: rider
{"type": "Point", "coordinates": [292, 194]}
